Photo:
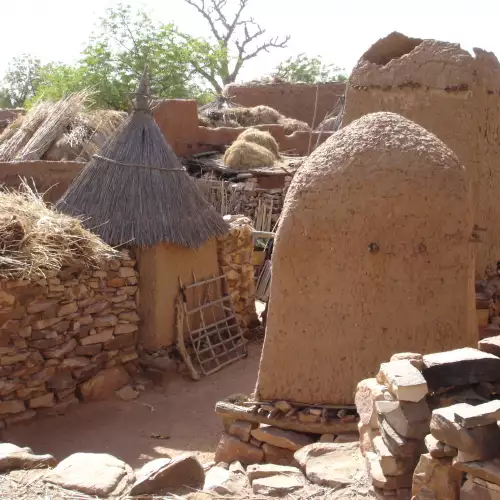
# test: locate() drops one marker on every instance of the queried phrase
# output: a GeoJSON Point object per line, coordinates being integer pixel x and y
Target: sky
{"type": "Point", "coordinates": [339, 32]}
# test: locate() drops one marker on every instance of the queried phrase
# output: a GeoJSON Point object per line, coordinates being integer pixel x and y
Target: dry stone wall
{"type": "Point", "coordinates": [451, 93]}
{"type": "Point", "coordinates": [68, 337]}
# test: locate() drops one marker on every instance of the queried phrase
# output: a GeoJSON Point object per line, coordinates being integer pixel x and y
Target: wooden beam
{"type": "Point", "coordinates": [230, 411]}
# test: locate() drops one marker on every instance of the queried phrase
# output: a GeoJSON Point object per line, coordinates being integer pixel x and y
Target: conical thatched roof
{"type": "Point", "coordinates": [136, 191]}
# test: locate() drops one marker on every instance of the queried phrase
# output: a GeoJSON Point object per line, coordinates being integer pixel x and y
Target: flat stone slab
{"type": "Point", "coordinates": [479, 443]}
{"type": "Point", "coordinates": [383, 481]}
{"type": "Point", "coordinates": [490, 345]}
{"type": "Point", "coordinates": [277, 486]}
{"type": "Point", "coordinates": [329, 464]}
{"type": "Point", "coordinates": [13, 457]}
{"type": "Point", "coordinates": [399, 446]}
{"type": "Point", "coordinates": [390, 465]}
{"type": "Point", "coordinates": [477, 416]}
{"type": "Point", "coordinates": [231, 449]}
{"type": "Point", "coordinates": [226, 482]}
{"type": "Point", "coordinates": [258, 471]}
{"type": "Point", "coordinates": [369, 391]}
{"type": "Point", "coordinates": [403, 380]}
{"type": "Point", "coordinates": [97, 474]}
{"type": "Point", "coordinates": [486, 470]}
{"type": "Point", "coordinates": [438, 449]}
{"type": "Point", "coordinates": [464, 366]}
{"type": "Point", "coordinates": [290, 440]}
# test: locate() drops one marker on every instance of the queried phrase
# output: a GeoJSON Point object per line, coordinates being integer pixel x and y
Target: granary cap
{"type": "Point", "coordinates": [136, 191]}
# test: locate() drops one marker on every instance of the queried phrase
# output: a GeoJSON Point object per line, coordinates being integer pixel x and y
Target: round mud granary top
{"type": "Point", "coordinates": [373, 256]}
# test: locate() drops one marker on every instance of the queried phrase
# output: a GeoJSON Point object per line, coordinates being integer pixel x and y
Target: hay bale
{"type": "Point", "coordinates": [292, 125]}
{"type": "Point", "coordinates": [264, 115]}
{"type": "Point", "coordinates": [262, 138]}
{"type": "Point", "coordinates": [35, 239]}
{"type": "Point", "coordinates": [244, 155]}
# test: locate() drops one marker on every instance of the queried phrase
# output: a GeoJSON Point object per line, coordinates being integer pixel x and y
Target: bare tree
{"type": "Point", "coordinates": [235, 35]}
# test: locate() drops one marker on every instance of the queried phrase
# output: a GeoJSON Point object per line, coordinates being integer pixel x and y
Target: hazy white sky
{"type": "Point", "coordinates": [339, 31]}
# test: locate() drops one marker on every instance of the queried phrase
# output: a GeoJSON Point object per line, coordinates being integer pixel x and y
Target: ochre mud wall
{"type": "Point", "coordinates": [50, 177]}
{"type": "Point", "coordinates": [453, 95]}
{"type": "Point", "coordinates": [178, 120]}
{"type": "Point", "coordinates": [294, 100]}
{"type": "Point", "coordinates": [372, 257]}
{"type": "Point", "coordinates": [162, 266]}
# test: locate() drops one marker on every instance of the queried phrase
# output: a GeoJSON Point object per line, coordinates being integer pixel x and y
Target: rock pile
{"type": "Point", "coordinates": [72, 334]}
{"type": "Point", "coordinates": [488, 303]}
{"type": "Point", "coordinates": [235, 259]}
{"type": "Point", "coordinates": [424, 417]}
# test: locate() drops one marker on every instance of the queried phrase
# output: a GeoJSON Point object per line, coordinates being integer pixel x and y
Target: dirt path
{"type": "Point", "coordinates": [183, 410]}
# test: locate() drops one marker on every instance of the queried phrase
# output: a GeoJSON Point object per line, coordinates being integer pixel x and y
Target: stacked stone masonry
{"type": "Point", "coordinates": [235, 258]}
{"type": "Point", "coordinates": [68, 337]}
{"type": "Point", "coordinates": [425, 421]}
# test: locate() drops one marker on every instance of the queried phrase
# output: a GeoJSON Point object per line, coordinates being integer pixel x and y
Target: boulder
{"type": "Point", "coordinates": [231, 449]}
{"type": "Point", "coordinates": [96, 474]}
{"type": "Point", "coordinates": [103, 385]}
{"type": "Point", "coordinates": [329, 464]}
{"type": "Point", "coordinates": [276, 455]}
{"type": "Point", "coordinates": [166, 474]}
{"type": "Point", "coordinates": [13, 457]}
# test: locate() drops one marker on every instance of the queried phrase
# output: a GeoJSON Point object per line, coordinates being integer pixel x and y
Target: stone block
{"type": "Point", "coordinates": [276, 455]}
{"type": "Point", "coordinates": [477, 416]}
{"type": "Point", "coordinates": [400, 446]}
{"type": "Point", "coordinates": [231, 449]}
{"type": "Point", "coordinates": [45, 401]}
{"type": "Point", "coordinates": [490, 345]}
{"type": "Point", "coordinates": [382, 481]}
{"type": "Point", "coordinates": [417, 360]}
{"type": "Point", "coordinates": [242, 429]}
{"type": "Point", "coordinates": [12, 406]}
{"type": "Point", "coordinates": [486, 470]}
{"type": "Point", "coordinates": [474, 490]}
{"type": "Point", "coordinates": [438, 449]}
{"type": "Point", "coordinates": [479, 443]}
{"type": "Point", "coordinates": [410, 420]}
{"type": "Point", "coordinates": [367, 393]}
{"type": "Point", "coordinates": [277, 486]}
{"type": "Point", "coordinates": [390, 465]}
{"type": "Point", "coordinates": [460, 367]}
{"type": "Point", "coordinates": [104, 336]}
{"type": "Point", "coordinates": [403, 380]}
{"type": "Point", "coordinates": [104, 384]}
{"type": "Point", "coordinates": [435, 478]}
{"type": "Point", "coordinates": [282, 438]}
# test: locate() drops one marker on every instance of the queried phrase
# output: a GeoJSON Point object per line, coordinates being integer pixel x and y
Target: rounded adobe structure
{"type": "Point", "coordinates": [372, 257]}
{"type": "Point", "coordinates": [453, 94]}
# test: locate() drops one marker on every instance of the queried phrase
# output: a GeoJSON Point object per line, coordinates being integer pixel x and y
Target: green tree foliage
{"type": "Point", "coordinates": [21, 80]}
{"type": "Point", "coordinates": [306, 69]}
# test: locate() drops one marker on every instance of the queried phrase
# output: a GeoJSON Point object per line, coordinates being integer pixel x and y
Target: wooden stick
{"type": "Point", "coordinates": [235, 412]}
{"type": "Point", "coordinates": [179, 322]}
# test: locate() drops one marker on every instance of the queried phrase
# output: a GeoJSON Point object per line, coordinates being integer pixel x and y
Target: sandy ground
{"type": "Point", "coordinates": [181, 409]}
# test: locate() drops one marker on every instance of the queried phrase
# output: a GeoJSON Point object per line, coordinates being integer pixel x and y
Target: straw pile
{"type": "Point", "coordinates": [64, 130]}
{"type": "Point", "coordinates": [35, 239]}
{"type": "Point", "coordinates": [264, 139]}
{"type": "Point", "coordinates": [250, 117]}
{"type": "Point", "coordinates": [244, 155]}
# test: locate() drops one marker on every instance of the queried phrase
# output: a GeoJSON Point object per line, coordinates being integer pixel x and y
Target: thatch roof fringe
{"type": "Point", "coordinates": [136, 191]}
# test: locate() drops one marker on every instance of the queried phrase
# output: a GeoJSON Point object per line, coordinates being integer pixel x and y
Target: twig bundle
{"type": "Point", "coordinates": [35, 239]}
{"type": "Point", "coordinates": [58, 119]}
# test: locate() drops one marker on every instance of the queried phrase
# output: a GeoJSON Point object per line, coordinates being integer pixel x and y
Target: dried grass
{"type": "Point", "coordinates": [262, 138]}
{"type": "Point", "coordinates": [243, 155]}
{"type": "Point", "coordinates": [291, 125]}
{"type": "Point", "coordinates": [57, 121]}
{"type": "Point", "coordinates": [35, 239]}
{"type": "Point", "coordinates": [11, 128]}
{"type": "Point", "coordinates": [21, 131]}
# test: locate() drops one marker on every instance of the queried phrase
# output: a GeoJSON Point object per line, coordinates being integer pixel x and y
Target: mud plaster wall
{"type": "Point", "coordinates": [161, 267]}
{"type": "Point", "coordinates": [453, 95]}
{"type": "Point", "coordinates": [50, 177]}
{"type": "Point", "coordinates": [291, 100]}
{"type": "Point", "coordinates": [337, 310]}
{"type": "Point", "coordinates": [178, 120]}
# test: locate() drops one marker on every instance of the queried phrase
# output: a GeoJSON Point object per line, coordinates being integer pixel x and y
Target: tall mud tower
{"type": "Point", "coordinates": [452, 94]}
{"type": "Point", "coordinates": [372, 257]}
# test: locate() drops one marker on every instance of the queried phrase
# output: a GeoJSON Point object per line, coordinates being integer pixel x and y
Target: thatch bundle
{"type": "Point", "coordinates": [292, 125]}
{"type": "Point", "coordinates": [64, 130]}
{"type": "Point", "coordinates": [136, 191]}
{"type": "Point", "coordinates": [35, 239]}
{"type": "Point", "coordinates": [262, 138]}
{"type": "Point", "coordinates": [244, 155]}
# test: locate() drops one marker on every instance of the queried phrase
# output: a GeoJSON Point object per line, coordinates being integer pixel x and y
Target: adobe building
{"type": "Point", "coordinates": [373, 256]}
{"type": "Point", "coordinates": [451, 93]}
